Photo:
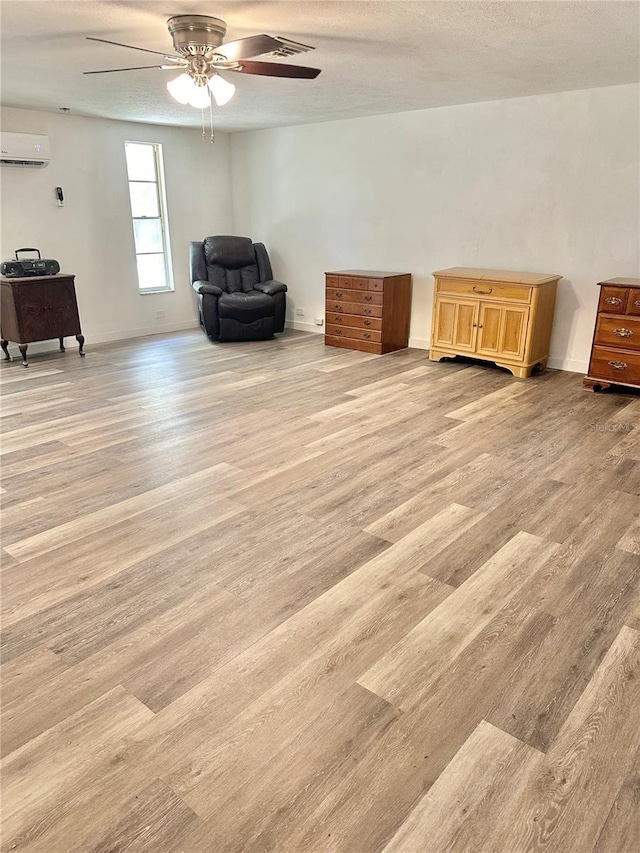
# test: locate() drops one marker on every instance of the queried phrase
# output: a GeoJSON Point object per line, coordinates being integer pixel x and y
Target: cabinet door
{"type": "Point", "coordinates": [456, 324]}
{"type": "Point", "coordinates": [502, 330]}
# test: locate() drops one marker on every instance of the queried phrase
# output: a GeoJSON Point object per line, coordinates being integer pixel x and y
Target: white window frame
{"type": "Point", "coordinates": [163, 217]}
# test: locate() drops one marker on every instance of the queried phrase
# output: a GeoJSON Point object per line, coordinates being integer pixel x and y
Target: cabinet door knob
{"type": "Point", "coordinates": [623, 333]}
{"type": "Point", "coordinates": [613, 300]}
{"type": "Point", "coordinates": [474, 325]}
{"type": "Point", "coordinates": [618, 365]}
{"type": "Point", "coordinates": [485, 292]}
{"type": "Point", "coordinates": [479, 325]}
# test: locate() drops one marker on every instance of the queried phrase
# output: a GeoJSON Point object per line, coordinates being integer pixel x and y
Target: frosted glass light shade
{"type": "Point", "coordinates": [221, 90]}
{"type": "Point", "coordinates": [185, 91]}
{"type": "Point", "coordinates": [180, 88]}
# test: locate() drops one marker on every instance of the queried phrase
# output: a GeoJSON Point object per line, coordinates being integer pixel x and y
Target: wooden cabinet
{"type": "Point", "coordinates": [36, 309]}
{"type": "Point", "coordinates": [494, 315]}
{"type": "Point", "coordinates": [615, 352]}
{"type": "Point", "coordinates": [368, 310]}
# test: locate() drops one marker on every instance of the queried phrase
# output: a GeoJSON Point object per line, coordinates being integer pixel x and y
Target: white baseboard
{"type": "Point", "coordinates": [108, 337]}
{"type": "Point", "coordinates": [573, 365]}
{"type": "Point", "coordinates": [304, 327]}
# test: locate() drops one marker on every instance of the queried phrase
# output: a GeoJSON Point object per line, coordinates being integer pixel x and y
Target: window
{"type": "Point", "coordinates": [148, 210]}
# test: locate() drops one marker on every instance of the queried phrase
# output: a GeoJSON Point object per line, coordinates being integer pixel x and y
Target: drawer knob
{"type": "Point", "coordinates": [338, 331]}
{"type": "Point", "coordinates": [613, 300]}
{"type": "Point", "coordinates": [366, 335]}
{"type": "Point", "coordinates": [623, 333]}
{"type": "Point", "coordinates": [618, 365]}
{"type": "Point", "coordinates": [485, 292]}
{"type": "Point", "coordinates": [339, 294]}
{"type": "Point", "coordinates": [368, 298]}
{"type": "Point", "coordinates": [367, 310]}
{"type": "Point", "coordinates": [338, 307]}
{"type": "Point", "coordinates": [367, 322]}
{"type": "Point", "coordinates": [636, 303]}
{"type": "Point", "coordinates": [338, 319]}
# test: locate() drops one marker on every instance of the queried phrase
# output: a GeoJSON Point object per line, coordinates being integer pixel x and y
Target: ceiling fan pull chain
{"type": "Point", "coordinates": [204, 134]}
{"type": "Point", "coordinates": [213, 138]}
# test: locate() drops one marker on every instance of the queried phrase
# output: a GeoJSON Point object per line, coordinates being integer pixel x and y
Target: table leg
{"type": "Point", "coordinates": [80, 339]}
{"type": "Point", "coordinates": [5, 348]}
{"type": "Point", "coordinates": [61, 344]}
{"type": "Point", "coordinates": [23, 353]}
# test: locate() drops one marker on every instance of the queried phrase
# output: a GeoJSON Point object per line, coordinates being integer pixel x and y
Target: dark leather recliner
{"type": "Point", "coordinates": [238, 300]}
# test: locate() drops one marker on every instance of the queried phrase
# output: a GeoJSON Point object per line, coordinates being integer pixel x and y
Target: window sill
{"type": "Point", "coordinates": [159, 290]}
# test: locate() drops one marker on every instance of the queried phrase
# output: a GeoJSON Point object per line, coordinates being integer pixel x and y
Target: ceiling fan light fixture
{"type": "Point", "coordinates": [186, 91]}
{"type": "Point", "coordinates": [221, 90]}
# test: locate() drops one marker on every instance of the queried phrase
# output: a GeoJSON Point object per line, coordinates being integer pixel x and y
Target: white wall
{"type": "Point", "coordinates": [91, 236]}
{"type": "Point", "coordinates": [542, 184]}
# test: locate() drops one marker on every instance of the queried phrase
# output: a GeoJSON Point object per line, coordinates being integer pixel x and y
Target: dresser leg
{"type": "Point", "coordinates": [61, 344]}
{"type": "Point", "coordinates": [5, 348]}
{"type": "Point", "coordinates": [23, 353]}
{"type": "Point", "coordinates": [80, 339]}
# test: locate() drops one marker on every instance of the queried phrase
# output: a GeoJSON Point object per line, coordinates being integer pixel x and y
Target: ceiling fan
{"type": "Point", "coordinates": [198, 41]}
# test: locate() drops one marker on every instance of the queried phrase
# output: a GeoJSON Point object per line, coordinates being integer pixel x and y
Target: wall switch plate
{"type": "Point", "coordinates": [159, 315]}
{"type": "Point", "coordinates": [299, 312]}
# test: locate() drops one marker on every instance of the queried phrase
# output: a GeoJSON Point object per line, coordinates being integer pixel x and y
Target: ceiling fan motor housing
{"type": "Point", "coordinates": [196, 35]}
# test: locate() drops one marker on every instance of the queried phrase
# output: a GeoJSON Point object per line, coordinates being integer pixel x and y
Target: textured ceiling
{"type": "Point", "coordinates": [376, 57]}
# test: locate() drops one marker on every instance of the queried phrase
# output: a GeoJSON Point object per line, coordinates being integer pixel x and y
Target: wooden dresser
{"type": "Point", "coordinates": [615, 352]}
{"type": "Point", "coordinates": [38, 308]}
{"type": "Point", "coordinates": [368, 310]}
{"type": "Point", "coordinates": [494, 315]}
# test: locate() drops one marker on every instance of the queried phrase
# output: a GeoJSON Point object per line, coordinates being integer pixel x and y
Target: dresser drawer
{"type": "Point", "coordinates": [364, 308]}
{"type": "Point", "coordinates": [613, 300]}
{"type": "Point", "coordinates": [354, 321]}
{"type": "Point", "coordinates": [618, 331]}
{"type": "Point", "coordinates": [361, 296]}
{"type": "Point", "coordinates": [336, 330]}
{"type": "Point", "coordinates": [633, 302]}
{"type": "Point", "coordinates": [485, 289]}
{"type": "Point", "coordinates": [348, 282]}
{"type": "Point", "coordinates": [376, 284]}
{"type": "Point", "coordinates": [616, 365]}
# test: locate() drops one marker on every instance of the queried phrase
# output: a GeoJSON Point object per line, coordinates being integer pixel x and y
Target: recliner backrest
{"type": "Point", "coordinates": [231, 263]}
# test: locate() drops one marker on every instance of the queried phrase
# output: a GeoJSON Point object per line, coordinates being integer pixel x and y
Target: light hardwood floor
{"type": "Point", "coordinates": [283, 597]}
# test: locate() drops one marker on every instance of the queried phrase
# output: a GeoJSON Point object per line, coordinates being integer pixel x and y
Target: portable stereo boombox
{"type": "Point", "coordinates": [32, 266]}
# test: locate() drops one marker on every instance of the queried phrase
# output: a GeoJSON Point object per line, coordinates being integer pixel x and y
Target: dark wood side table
{"type": "Point", "coordinates": [38, 308]}
{"type": "Point", "coordinates": [368, 310]}
{"type": "Point", "coordinates": [615, 352]}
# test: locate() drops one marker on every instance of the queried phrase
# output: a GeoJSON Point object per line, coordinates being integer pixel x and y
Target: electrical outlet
{"type": "Point", "coordinates": [159, 315]}
{"type": "Point", "coordinates": [299, 312]}
{"type": "Point", "coordinates": [319, 321]}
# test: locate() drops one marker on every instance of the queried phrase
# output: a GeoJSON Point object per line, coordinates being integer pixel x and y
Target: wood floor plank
{"type": "Point", "coordinates": [459, 810]}
{"type": "Point", "coordinates": [567, 804]}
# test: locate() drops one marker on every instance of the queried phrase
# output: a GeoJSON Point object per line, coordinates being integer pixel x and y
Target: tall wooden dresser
{"type": "Point", "coordinates": [38, 308]}
{"type": "Point", "coordinates": [494, 315]}
{"type": "Point", "coordinates": [615, 352]}
{"type": "Point", "coordinates": [368, 310]}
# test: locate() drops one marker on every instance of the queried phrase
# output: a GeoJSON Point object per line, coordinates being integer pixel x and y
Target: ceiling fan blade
{"type": "Point", "coordinates": [274, 69]}
{"type": "Point", "coordinates": [133, 68]}
{"type": "Point", "coordinates": [250, 46]}
{"type": "Point", "coordinates": [132, 47]}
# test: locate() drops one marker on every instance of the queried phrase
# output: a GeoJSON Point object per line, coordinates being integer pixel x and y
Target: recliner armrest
{"type": "Point", "coordinates": [206, 287]}
{"type": "Point", "coordinates": [271, 287]}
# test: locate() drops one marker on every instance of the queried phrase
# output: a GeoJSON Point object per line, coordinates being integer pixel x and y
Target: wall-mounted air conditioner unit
{"type": "Point", "coordinates": [24, 149]}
